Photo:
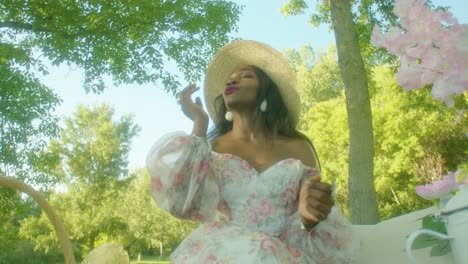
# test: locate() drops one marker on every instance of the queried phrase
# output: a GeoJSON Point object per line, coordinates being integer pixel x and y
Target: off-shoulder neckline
{"type": "Point", "coordinates": [277, 163]}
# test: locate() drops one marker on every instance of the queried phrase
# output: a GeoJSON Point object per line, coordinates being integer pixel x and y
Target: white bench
{"type": "Point", "coordinates": [384, 243]}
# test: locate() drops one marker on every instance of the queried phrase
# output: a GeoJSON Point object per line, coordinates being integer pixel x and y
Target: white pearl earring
{"type": "Point", "coordinates": [228, 116]}
{"type": "Point", "coordinates": [263, 105]}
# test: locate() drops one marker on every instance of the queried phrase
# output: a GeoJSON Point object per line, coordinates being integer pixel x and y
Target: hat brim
{"type": "Point", "coordinates": [247, 52]}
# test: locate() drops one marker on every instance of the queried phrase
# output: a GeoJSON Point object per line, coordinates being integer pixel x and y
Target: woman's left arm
{"type": "Point", "coordinates": [318, 228]}
{"type": "Point", "coordinates": [331, 240]}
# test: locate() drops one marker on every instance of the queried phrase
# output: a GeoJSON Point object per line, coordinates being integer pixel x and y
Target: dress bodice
{"type": "Point", "coordinates": [263, 200]}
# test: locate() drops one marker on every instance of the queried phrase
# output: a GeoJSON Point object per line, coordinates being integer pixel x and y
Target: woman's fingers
{"type": "Point", "coordinates": [192, 108]}
{"type": "Point", "coordinates": [319, 208]}
{"type": "Point", "coordinates": [315, 215]}
{"type": "Point", "coordinates": [318, 185]}
{"type": "Point", "coordinates": [185, 94]}
{"type": "Point", "coordinates": [316, 200]}
{"type": "Point", "coordinates": [198, 101]}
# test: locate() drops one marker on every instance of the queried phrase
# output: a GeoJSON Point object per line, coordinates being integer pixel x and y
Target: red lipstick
{"type": "Point", "coordinates": [230, 89]}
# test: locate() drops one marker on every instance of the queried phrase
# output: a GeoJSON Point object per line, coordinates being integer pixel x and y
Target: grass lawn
{"type": "Point", "coordinates": [151, 260]}
{"type": "Point", "coordinates": [148, 262]}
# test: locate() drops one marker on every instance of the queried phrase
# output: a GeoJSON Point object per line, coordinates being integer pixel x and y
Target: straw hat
{"type": "Point", "coordinates": [248, 52]}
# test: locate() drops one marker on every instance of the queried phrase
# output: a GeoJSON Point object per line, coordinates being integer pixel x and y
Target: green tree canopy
{"type": "Point", "coordinates": [148, 225]}
{"type": "Point", "coordinates": [366, 14]}
{"type": "Point", "coordinates": [417, 140]}
{"type": "Point", "coordinates": [128, 40]}
{"type": "Point", "coordinates": [100, 201]}
{"type": "Point", "coordinates": [26, 121]}
{"type": "Point", "coordinates": [318, 74]}
{"type": "Point", "coordinates": [92, 153]}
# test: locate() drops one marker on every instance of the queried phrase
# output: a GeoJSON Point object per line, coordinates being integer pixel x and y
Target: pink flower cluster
{"type": "Point", "coordinates": [441, 188]}
{"type": "Point", "coordinates": [432, 47]}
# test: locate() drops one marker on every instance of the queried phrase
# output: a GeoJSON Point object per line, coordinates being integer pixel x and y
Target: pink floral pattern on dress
{"type": "Point", "coordinates": [294, 252]}
{"type": "Point", "coordinates": [247, 216]}
{"type": "Point", "coordinates": [228, 174]}
{"type": "Point", "coordinates": [245, 165]}
{"type": "Point", "coordinates": [178, 179]}
{"type": "Point", "coordinates": [157, 185]}
{"type": "Point", "coordinates": [270, 245]}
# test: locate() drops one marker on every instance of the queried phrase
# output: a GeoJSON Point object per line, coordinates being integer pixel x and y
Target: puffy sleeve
{"type": "Point", "coordinates": [330, 241]}
{"type": "Point", "coordinates": [183, 178]}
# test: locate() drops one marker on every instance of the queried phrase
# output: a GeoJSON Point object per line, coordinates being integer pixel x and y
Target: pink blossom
{"type": "Point", "coordinates": [408, 75]}
{"type": "Point", "coordinates": [377, 37]}
{"type": "Point", "coordinates": [447, 84]}
{"type": "Point", "coordinates": [432, 47]}
{"type": "Point", "coordinates": [462, 42]}
{"type": "Point", "coordinates": [444, 16]}
{"type": "Point", "coordinates": [438, 189]}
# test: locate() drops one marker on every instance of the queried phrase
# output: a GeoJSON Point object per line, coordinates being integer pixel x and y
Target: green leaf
{"type": "Point", "coordinates": [424, 241]}
{"type": "Point", "coordinates": [429, 223]}
{"type": "Point", "coordinates": [441, 248]}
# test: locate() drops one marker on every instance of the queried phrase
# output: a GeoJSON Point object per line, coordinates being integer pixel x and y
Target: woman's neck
{"type": "Point", "coordinates": [249, 129]}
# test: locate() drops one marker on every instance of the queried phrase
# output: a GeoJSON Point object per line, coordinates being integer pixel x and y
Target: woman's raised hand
{"type": "Point", "coordinates": [194, 110]}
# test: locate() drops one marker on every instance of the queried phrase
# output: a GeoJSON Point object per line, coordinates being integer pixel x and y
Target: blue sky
{"type": "Point", "coordinates": [157, 112]}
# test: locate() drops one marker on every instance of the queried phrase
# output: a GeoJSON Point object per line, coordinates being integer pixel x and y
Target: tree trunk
{"type": "Point", "coordinates": [161, 251]}
{"type": "Point", "coordinates": [362, 198]}
{"type": "Point", "coordinates": [161, 241]}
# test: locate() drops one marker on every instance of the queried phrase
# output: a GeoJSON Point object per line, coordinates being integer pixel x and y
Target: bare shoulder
{"type": "Point", "coordinates": [217, 144]}
{"type": "Point", "coordinates": [214, 143]}
{"type": "Point", "coordinates": [302, 150]}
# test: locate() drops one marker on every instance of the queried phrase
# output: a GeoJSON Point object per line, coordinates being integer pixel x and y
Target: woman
{"type": "Point", "coordinates": [255, 186]}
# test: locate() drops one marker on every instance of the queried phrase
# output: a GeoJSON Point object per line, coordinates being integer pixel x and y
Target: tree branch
{"type": "Point", "coordinates": [23, 26]}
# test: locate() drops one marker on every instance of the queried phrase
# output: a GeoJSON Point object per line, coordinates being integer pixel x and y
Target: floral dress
{"type": "Point", "coordinates": [247, 216]}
